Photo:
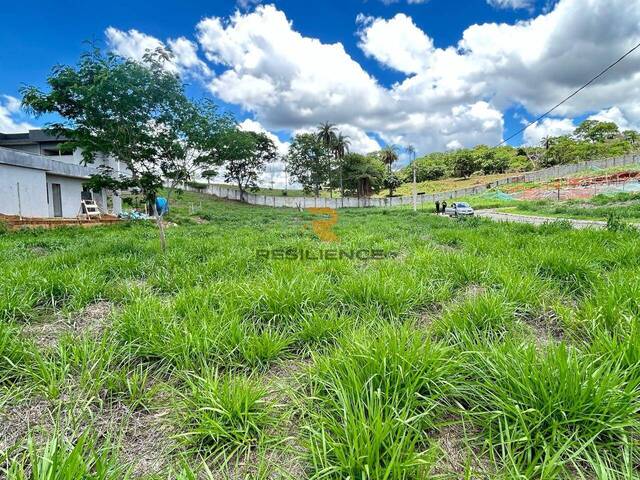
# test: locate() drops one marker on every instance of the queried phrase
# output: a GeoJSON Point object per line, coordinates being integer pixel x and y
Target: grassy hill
{"type": "Point", "coordinates": [464, 349]}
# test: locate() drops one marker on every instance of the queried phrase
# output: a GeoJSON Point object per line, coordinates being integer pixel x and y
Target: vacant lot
{"type": "Point", "coordinates": [474, 350]}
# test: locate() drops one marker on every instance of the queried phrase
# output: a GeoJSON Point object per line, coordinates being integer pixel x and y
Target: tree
{"type": "Point", "coordinates": [309, 162]}
{"type": "Point", "coordinates": [246, 154]}
{"type": "Point", "coordinates": [465, 163]}
{"type": "Point", "coordinates": [134, 111]}
{"type": "Point", "coordinates": [547, 141]}
{"type": "Point", "coordinates": [492, 160]}
{"type": "Point", "coordinates": [392, 182]}
{"type": "Point", "coordinates": [631, 136]}
{"type": "Point", "coordinates": [430, 167]}
{"type": "Point", "coordinates": [340, 148]}
{"type": "Point", "coordinates": [327, 134]}
{"type": "Point", "coordinates": [363, 175]}
{"type": "Point", "coordinates": [389, 155]}
{"type": "Point", "coordinates": [596, 132]}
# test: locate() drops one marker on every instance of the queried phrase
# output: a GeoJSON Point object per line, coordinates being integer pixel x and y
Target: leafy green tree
{"type": "Point", "coordinates": [465, 162]}
{"type": "Point", "coordinates": [493, 160]}
{"type": "Point", "coordinates": [426, 172]}
{"type": "Point", "coordinates": [245, 156]}
{"type": "Point", "coordinates": [430, 167]}
{"type": "Point", "coordinates": [113, 106]}
{"type": "Point", "coordinates": [363, 174]}
{"type": "Point", "coordinates": [134, 111]}
{"type": "Point", "coordinates": [309, 162]}
{"type": "Point", "coordinates": [596, 131]}
{"type": "Point", "coordinates": [392, 182]}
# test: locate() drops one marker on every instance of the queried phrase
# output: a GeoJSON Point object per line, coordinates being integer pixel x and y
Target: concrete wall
{"type": "Point", "coordinates": [350, 202]}
{"type": "Point", "coordinates": [35, 149]}
{"type": "Point", "coordinates": [36, 173]}
{"type": "Point", "coordinates": [33, 191]}
{"type": "Point", "coordinates": [71, 189]}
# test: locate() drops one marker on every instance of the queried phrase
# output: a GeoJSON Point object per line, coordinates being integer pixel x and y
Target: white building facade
{"type": "Point", "coordinates": [38, 180]}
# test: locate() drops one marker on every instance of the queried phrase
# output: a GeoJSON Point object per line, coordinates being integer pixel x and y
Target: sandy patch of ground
{"type": "Point", "coordinates": [91, 320]}
{"type": "Point", "coordinates": [456, 452]}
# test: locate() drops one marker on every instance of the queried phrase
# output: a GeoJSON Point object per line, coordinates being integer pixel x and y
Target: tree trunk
{"type": "Point", "coordinates": [241, 188]}
{"type": "Point", "coordinates": [163, 239]}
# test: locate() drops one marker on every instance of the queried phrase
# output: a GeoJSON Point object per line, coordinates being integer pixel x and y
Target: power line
{"type": "Point", "coordinates": [594, 79]}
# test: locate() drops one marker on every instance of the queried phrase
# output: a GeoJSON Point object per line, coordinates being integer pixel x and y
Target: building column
{"type": "Point", "coordinates": [117, 203]}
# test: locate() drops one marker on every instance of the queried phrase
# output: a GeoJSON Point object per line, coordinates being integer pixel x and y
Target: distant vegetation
{"type": "Point", "coordinates": [592, 140]}
{"type": "Point", "coordinates": [322, 161]}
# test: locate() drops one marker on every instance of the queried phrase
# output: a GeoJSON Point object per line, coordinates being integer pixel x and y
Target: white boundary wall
{"type": "Point", "coordinates": [352, 202]}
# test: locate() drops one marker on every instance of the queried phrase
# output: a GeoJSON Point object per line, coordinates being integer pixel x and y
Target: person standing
{"type": "Point", "coordinates": [437, 207]}
{"type": "Point", "coordinates": [444, 207]}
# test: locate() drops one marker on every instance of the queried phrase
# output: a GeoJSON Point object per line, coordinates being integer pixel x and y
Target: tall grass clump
{"type": "Point", "coordinates": [613, 303]}
{"type": "Point", "coordinates": [15, 353]}
{"type": "Point", "coordinates": [572, 271]}
{"type": "Point", "coordinates": [553, 414]}
{"type": "Point", "coordinates": [371, 402]}
{"type": "Point", "coordinates": [479, 320]}
{"type": "Point", "coordinates": [223, 414]}
{"type": "Point", "coordinates": [150, 331]}
{"type": "Point", "coordinates": [386, 289]}
{"type": "Point", "coordinates": [283, 298]}
{"type": "Point", "coordinates": [59, 459]}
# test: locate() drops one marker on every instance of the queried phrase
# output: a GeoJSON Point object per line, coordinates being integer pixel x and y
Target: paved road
{"type": "Point", "coordinates": [509, 217]}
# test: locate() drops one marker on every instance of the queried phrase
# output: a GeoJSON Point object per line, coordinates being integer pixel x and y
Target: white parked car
{"type": "Point", "coordinates": [459, 209]}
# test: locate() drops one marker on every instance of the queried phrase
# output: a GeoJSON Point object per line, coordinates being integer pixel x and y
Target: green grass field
{"type": "Point", "coordinates": [472, 350]}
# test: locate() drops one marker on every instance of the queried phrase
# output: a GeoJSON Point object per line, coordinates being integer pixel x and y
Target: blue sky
{"type": "Point", "coordinates": [438, 74]}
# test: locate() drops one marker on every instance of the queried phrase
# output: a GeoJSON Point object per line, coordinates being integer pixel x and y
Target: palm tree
{"type": "Point", "coordinates": [341, 145]}
{"type": "Point", "coordinates": [326, 134]}
{"type": "Point", "coordinates": [548, 141]}
{"type": "Point", "coordinates": [411, 150]}
{"type": "Point", "coordinates": [340, 148]}
{"type": "Point", "coordinates": [389, 155]}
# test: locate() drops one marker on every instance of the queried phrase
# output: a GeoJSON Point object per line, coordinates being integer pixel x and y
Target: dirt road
{"type": "Point", "coordinates": [510, 217]}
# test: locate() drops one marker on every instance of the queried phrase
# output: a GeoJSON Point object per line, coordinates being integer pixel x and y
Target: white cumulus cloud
{"type": "Point", "coordinates": [449, 97]}
{"type": "Point", "coordinates": [289, 81]}
{"type": "Point", "coordinates": [11, 120]}
{"type": "Point", "coordinates": [134, 44]}
{"type": "Point", "coordinates": [397, 43]}
{"type": "Point", "coordinates": [548, 127]}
